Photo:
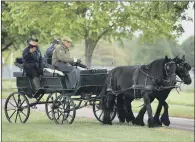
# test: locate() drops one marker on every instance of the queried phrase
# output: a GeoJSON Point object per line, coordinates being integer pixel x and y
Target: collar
{"type": "Point", "coordinates": [64, 47]}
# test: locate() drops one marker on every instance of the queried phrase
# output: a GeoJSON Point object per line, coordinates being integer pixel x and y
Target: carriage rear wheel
{"type": "Point", "coordinates": [98, 112]}
{"type": "Point", "coordinates": [49, 103]}
{"type": "Point", "coordinates": [17, 109]}
{"type": "Point", "coordinates": [63, 110]}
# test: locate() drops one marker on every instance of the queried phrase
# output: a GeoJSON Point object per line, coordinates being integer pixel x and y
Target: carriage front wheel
{"type": "Point", "coordinates": [63, 110]}
{"type": "Point", "coordinates": [98, 112]}
{"type": "Point", "coordinates": [17, 108]}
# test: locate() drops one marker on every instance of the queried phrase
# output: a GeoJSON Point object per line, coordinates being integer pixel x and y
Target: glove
{"type": "Point", "coordinates": [77, 60]}
{"type": "Point", "coordinates": [40, 71]}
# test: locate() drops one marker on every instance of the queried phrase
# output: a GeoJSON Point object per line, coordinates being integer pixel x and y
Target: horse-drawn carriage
{"type": "Point", "coordinates": [61, 103]}
{"type": "Point", "coordinates": [116, 94]}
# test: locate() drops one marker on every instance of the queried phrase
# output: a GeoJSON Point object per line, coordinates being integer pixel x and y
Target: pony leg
{"type": "Point", "coordinates": [108, 106]}
{"type": "Point", "coordinates": [128, 110]}
{"type": "Point", "coordinates": [149, 109]}
{"type": "Point", "coordinates": [165, 117]}
{"type": "Point", "coordinates": [157, 114]}
{"type": "Point", "coordinates": [140, 117]}
{"type": "Point", "coordinates": [120, 109]}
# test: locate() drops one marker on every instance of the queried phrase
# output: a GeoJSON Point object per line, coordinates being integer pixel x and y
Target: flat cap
{"type": "Point", "coordinates": [66, 39]}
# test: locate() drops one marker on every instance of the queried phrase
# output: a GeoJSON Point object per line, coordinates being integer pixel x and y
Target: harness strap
{"type": "Point", "coordinates": [135, 76]}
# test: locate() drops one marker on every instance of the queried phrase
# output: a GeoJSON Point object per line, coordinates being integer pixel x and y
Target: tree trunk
{"type": "Point", "coordinates": [89, 48]}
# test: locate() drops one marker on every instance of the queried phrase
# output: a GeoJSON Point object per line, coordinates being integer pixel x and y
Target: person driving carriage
{"type": "Point", "coordinates": [32, 62]}
{"type": "Point", "coordinates": [61, 60]}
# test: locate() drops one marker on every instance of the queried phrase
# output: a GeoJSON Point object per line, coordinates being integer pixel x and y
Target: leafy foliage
{"type": "Point", "coordinates": [93, 21]}
{"type": "Point", "coordinates": [188, 48]}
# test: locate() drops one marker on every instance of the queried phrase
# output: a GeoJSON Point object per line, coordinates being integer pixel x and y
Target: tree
{"type": "Point", "coordinates": [188, 48]}
{"type": "Point", "coordinates": [147, 52]}
{"type": "Point", "coordinates": [93, 21]}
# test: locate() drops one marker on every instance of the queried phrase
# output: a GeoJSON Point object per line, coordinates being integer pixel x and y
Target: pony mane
{"type": "Point", "coordinates": [157, 67]}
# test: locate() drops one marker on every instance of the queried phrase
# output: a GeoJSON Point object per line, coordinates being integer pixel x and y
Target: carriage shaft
{"type": "Point", "coordinates": [35, 103]}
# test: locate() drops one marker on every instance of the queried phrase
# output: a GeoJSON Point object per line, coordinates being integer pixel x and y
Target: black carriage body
{"type": "Point", "coordinates": [90, 81]}
{"type": "Point", "coordinates": [50, 83]}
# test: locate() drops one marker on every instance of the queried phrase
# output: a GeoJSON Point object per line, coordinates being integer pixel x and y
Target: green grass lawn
{"type": "Point", "coordinates": [180, 105]}
{"type": "Point", "coordinates": [174, 110]}
{"type": "Point", "coordinates": [39, 128]}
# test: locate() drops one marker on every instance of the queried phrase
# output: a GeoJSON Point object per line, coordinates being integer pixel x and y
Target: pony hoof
{"type": "Point", "coordinates": [157, 121]}
{"type": "Point", "coordinates": [166, 122]}
{"type": "Point", "coordinates": [139, 122]}
{"type": "Point", "coordinates": [151, 123]}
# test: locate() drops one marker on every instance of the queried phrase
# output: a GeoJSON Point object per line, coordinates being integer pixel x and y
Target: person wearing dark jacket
{"type": "Point", "coordinates": [49, 51]}
{"type": "Point", "coordinates": [32, 62]}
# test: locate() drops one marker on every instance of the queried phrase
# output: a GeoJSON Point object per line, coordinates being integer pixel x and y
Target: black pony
{"type": "Point", "coordinates": [134, 82]}
{"type": "Point", "coordinates": [182, 71]}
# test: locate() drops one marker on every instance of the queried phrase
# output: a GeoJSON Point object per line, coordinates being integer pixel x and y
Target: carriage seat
{"type": "Point", "coordinates": [19, 74]}
{"type": "Point", "coordinates": [23, 74]}
{"type": "Point", "coordinates": [47, 72]}
{"type": "Point", "coordinates": [52, 71]}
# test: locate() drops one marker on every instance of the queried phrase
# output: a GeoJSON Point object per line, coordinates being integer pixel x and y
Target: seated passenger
{"type": "Point", "coordinates": [61, 61]}
{"type": "Point", "coordinates": [49, 51]}
{"type": "Point", "coordinates": [32, 62]}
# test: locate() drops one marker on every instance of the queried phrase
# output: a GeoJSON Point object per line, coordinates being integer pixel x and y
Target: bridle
{"type": "Point", "coordinates": [184, 73]}
{"type": "Point", "coordinates": [166, 68]}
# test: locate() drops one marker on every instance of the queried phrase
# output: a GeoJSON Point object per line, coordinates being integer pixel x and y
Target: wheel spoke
{"type": "Point", "coordinates": [15, 101]}
{"type": "Point", "coordinates": [16, 117]}
{"type": "Point", "coordinates": [18, 98]}
{"type": "Point", "coordinates": [23, 113]}
{"type": "Point", "coordinates": [67, 119]}
{"type": "Point", "coordinates": [69, 110]}
{"type": "Point", "coordinates": [71, 116]}
{"type": "Point", "coordinates": [59, 115]}
{"type": "Point", "coordinates": [20, 117]}
{"type": "Point", "coordinates": [12, 104]}
{"type": "Point", "coordinates": [12, 114]}
{"type": "Point", "coordinates": [100, 114]}
{"type": "Point", "coordinates": [22, 103]}
{"type": "Point", "coordinates": [61, 103]}
{"type": "Point", "coordinates": [9, 109]}
{"type": "Point", "coordinates": [64, 105]}
{"type": "Point", "coordinates": [61, 107]}
{"type": "Point", "coordinates": [97, 110]}
{"type": "Point", "coordinates": [63, 119]}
